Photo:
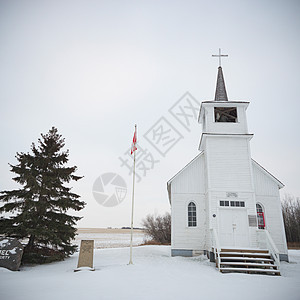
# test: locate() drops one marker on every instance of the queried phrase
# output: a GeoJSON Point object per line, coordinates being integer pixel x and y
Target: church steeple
{"type": "Point", "coordinates": [222, 116]}
{"type": "Point", "coordinates": [220, 94]}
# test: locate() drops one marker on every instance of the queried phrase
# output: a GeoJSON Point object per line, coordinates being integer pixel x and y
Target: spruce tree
{"type": "Point", "coordinates": [39, 209]}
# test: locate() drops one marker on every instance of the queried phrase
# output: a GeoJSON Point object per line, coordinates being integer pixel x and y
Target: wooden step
{"type": "Point", "coordinates": [249, 264]}
{"type": "Point", "coordinates": [235, 258]}
{"type": "Point", "coordinates": [250, 254]}
{"type": "Point", "coordinates": [250, 270]}
{"type": "Point", "coordinates": [254, 261]}
{"type": "Point", "coordinates": [245, 250]}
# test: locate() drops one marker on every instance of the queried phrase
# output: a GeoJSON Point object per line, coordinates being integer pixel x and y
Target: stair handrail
{"type": "Point", "coordinates": [216, 246]}
{"type": "Point", "coordinates": [271, 246]}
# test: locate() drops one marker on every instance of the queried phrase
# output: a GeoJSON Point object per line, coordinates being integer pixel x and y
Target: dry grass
{"type": "Point", "coordinates": [152, 242]}
{"type": "Point", "coordinates": [295, 245]}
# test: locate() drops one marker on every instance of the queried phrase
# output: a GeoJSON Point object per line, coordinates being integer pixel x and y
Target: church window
{"type": "Point", "coordinates": [237, 203]}
{"type": "Point", "coordinates": [226, 114]}
{"type": "Point", "coordinates": [192, 215]}
{"type": "Point", "coordinates": [233, 203]}
{"type": "Point", "coordinates": [260, 217]}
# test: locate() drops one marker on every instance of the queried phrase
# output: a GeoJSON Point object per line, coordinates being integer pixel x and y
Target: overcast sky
{"type": "Point", "coordinates": [95, 68]}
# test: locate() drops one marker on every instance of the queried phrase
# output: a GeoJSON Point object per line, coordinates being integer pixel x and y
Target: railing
{"type": "Point", "coordinates": [265, 241]}
{"type": "Point", "coordinates": [216, 246]}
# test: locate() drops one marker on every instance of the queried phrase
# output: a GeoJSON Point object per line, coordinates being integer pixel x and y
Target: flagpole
{"type": "Point", "coordinates": [132, 206]}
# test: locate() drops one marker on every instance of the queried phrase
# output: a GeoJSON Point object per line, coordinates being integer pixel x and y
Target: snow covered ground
{"type": "Point", "coordinates": [154, 275]}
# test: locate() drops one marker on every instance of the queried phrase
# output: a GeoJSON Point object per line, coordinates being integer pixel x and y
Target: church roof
{"type": "Point", "coordinates": [221, 94]}
{"type": "Point", "coordinates": [278, 182]}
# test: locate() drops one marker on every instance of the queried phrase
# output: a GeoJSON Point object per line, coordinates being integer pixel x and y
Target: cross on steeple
{"type": "Point", "coordinates": [220, 55]}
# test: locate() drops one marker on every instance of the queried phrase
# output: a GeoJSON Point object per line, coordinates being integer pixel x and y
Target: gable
{"type": "Point", "coordinates": [189, 179]}
{"type": "Point", "coordinates": [264, 182]}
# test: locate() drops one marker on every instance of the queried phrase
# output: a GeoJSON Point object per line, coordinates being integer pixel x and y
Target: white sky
{"type": "Point", "coordinates": [95, 68]}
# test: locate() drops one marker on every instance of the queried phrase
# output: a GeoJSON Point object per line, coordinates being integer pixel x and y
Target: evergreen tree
{"type": "Point", "coordinates": [38, 210]}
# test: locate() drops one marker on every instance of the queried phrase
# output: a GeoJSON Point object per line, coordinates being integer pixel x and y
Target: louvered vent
{"type": "Point", "coordinates": [252, 220]}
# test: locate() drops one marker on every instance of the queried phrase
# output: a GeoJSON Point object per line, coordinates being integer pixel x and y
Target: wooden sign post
{"type": "Point", "coordinates": [86, 256]}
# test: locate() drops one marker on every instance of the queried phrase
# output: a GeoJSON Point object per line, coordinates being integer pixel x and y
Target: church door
{"type": "Point", "coordinates": [233, 227]}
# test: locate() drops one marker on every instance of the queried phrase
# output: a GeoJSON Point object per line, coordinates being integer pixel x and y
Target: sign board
{"type": "Point", "coordinates": [86, 255]}
{"type": "Point", "coordinates": [11, 251]}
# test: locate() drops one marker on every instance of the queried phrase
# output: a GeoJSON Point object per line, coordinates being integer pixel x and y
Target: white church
{"type": "Point", "coordinates": [224, 203]}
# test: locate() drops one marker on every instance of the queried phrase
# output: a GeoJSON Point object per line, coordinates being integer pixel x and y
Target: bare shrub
{"type": "Point", "coordinates": [158, 228]}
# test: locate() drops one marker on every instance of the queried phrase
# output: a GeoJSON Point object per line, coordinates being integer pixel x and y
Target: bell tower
{"type": "Point", "coordinates": [228, 166]}
{"type": "Point", "coordinates": [222, 116]}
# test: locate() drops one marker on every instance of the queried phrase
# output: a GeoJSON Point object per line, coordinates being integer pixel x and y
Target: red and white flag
{"type": "Point", "coordinates": [134, 140]}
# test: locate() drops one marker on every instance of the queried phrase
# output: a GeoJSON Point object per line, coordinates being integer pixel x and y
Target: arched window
{"type": "Point", "coordinates": [260, 217]}
{"type": "Point", "coordinates": [192, 215]}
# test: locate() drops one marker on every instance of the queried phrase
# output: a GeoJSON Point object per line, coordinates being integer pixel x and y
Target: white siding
{"type": "Point", "coordinates": [209, 124]}
{"type": "Point", "coordinates": [267, 194]}
{"type": "Point", "coordinates": [264, 185]}
{"type": "Point", "coordinates": [229, 165]}
{"type": "Point", "coordinates": [191, 178]}
{"type": "Point", "coordinates": [187, 186]}
{"type": "Point", "coordinates": [184, 237]}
